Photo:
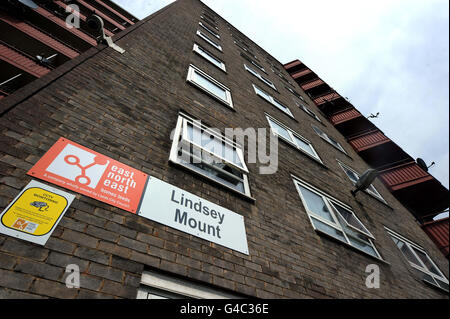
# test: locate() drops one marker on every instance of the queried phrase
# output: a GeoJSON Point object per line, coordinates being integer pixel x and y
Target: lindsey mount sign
{"type": "Point", "coordinates": [176, 208]}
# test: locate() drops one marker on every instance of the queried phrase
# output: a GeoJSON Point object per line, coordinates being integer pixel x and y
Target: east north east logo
{"type": "Point", "coordinates": [75, 167]}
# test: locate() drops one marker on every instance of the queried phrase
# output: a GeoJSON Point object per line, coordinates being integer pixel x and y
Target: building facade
{"type": "Point", "coordinates": [186, 77]}
{"type": "Point", "coordinates": [408, 180]}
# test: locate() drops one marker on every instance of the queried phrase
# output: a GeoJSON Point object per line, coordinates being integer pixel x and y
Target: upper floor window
{"type": "Point", "coordinates": [209, 56]}
{"type": "Point", "coordinates": [269, 98]}
{"type": "Point", "coordinates": [207, 152]}
{"type": "Point", "coordinates": [309, 112]}
{"type": "Point", "coordinates": [354, 177]}
{"type": "Point", "coordinates": [329, 139]}
{"type": "Point", "coordinates": [259, 76]}
{"type": "Point", "coordinates": [209, 40]}
{"type": "Point", "coordinates": [208, 84]}
{"type": "Point", "coordinates": [335, 219]}
{"type": "Point", "coordinates": [293, 138]}
{"type": "Point", "coordinates": [253, 62]}
{"type": "Point", "coordinates": [419, 260]}
{"type": "Point", "coordinates": [295, 93]}
{"type": "Point", "coordinates": [214, 33]}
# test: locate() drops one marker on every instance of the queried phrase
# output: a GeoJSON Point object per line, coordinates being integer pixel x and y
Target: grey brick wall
{"type": "Point", "coordinates": [125, 106]}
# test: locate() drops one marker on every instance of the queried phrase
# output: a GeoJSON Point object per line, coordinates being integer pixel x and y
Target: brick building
{"type": "Point", "coordinates": [304, 236]}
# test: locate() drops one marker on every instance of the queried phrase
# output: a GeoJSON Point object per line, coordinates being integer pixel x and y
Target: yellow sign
{"type": "Point", "coordinates": [35, 212]}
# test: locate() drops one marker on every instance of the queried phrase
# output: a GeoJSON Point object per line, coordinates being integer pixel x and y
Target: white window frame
{"type": "Point", "coordinates": [190, 78]}
{"type": "Point", "coordinates": [329, 202]}
{"type": "Point", "coordinates": [207, 39]}
{"type": "Point", "coordinates": [259, 76]}
{"type": "Point", "coordinates": [181, 136]}
{"type": "Point", "coordinates": [422, 267]}
{"type": "Point", "coordinates": [206, 19]}
{"type": "Point", "coordinates": [209, 30]}
{"type": "Point", "coordinates": [209, 56]}
{"type": "Point", "coordinates": [309, 111]}
{"type": "Point", "coordinates": [292, 133]}
{"type": "Point", "coordinates": [160, 286]}
{"type": "Point", "coordinates": [371, 190]}
{"type": "Point", "coordinates": [269, 98]}
{"type": "Point", "coordinates": [326, 138]}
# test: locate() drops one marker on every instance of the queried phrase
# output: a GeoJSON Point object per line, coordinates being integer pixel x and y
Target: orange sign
{"type": "Point", "coordinates": [84, 171]}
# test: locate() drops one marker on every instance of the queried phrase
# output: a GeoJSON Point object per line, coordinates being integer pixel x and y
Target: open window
{"type": "Point", "coordinates": [335, 219]}
{"type": "Point", "coordinates": [207, 152]}
{"type": "Point", "coordinates": [420, 261]}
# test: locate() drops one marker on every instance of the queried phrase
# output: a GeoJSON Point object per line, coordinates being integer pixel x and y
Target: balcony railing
{"type": "Point", "coordinates": [326, 98]}
{"type": "Point", "coordinates": [404, 175]}
{"type": "Point", "coordinates": [367, 140]}
{"type": "Point", "coordinates": [346, 115]}
{"type": "Point", "coordinates": [312, 84]}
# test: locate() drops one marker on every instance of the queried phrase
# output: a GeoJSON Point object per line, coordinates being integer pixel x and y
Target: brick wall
{"type": "Point", "coordinates": [125, 107]}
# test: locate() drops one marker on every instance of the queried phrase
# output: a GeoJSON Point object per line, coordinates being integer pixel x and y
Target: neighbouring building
{"type": "Point", "coordinates": [38, 36]}
{"type": "Point", "coordinates": [169, 204]}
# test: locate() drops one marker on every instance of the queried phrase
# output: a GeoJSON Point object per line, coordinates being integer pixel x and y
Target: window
{"type": "Point", "coordinates": [245, 49]}
{"type": "Point", "coordinates": [158, 286]}
{"type": "Point", "coordinates": [214, 33]}
{"type": "Point", "coordinates": [207, 39]}
{"type": "Point", "coordinates": [419, 260]}
{"type": "Point", "coordinates": [308, 111]}
{"type": "Point", "coordinates": [271, 100]}
{"type": "Point", "coordinates": [330, 140]}
{"type": "Point", "coordinates": [335, 219]}
{"type": "Point", "coordinates": [354, 177]}
{"type": "Point", "coordinates": [253, 62]}
{"type": "Point", "coordinates": [293, 138]}
{"type": "Point", "coordinates": [209, 21]}
{"type": "Point", "coordinates": [295, 93]}
{"type": "Point", "coordinates": [207, 152]}
{"type": "Point", "coordinates": [208, 56]}
{"type": "Point", "coordinates": [259, 76]}
{"type": "Point", "coordinates": [206, 83]}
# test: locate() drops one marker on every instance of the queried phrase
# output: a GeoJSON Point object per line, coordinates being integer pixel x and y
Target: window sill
{"type": "Point", "coordinates": [209, 180]}
{"type": "Point", "coordinates": [323, 234]}
{"type": "Point", "coordinates": [435, 286]}
{"type": "Point", "coordinates": [280, 138]}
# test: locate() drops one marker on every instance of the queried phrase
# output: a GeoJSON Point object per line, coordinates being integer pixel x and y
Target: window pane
{"type": "Point", "coordinates": [426, 260]}
{"type": "Point", "coordinates": [368, 248]}
{"type": "Point", "coordinates": [281, 106]}
{"type": "Point", "coordinates": [350, 218]}
{"type": "Point", "coordinates": [328, 230]}
{"type": "Point", "coordinates": [442, 284]}
{"type": "Point", "coordinates": [352, 175]}
{"type": "Point", "coordinates": [280, 130]}
{"type": "Point", "coordinates": [209, 57]}
{"type": "Point", "coordinates": [263, 94]}
{"type": "Point", "coordinates": [407, 252]}
{"type": "Point", "coordinates": [304, 146]}
{"type": "Point", "coordinates": [208, 85]}
{"type": "Point", "coordinates": [316, 204]}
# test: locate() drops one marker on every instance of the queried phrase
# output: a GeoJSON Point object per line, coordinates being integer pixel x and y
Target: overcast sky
{"type": "Point", "coordinates": [387, 56]}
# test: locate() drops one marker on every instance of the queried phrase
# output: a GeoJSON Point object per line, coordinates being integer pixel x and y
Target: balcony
{"type": "Point", "coordinates": [368, 140]}
{"type": "Point", "coordinates": [402, 176]}
{"type": "Point", "coordinates": [416, 189]}
{"type": "Point", "coordinates": [21, 61]}
{"type": "Point", "coordinates": [344, 116]}
{"type": "Point", "coordinates": [327, 98]}
{"type": "Point", "coordinates": [438, 231]}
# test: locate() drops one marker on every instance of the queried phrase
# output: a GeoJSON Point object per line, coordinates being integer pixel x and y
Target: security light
{"type": "Point", "coordinates": [95, 23]}
{"type": "Point", "coordinates": [365, 181]}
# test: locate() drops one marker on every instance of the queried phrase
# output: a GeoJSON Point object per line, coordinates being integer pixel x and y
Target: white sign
{"type": "Point", "coordinates": [35, 212]}
{"type": "Point", "coordinates": [179, 209]}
